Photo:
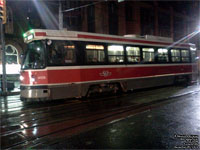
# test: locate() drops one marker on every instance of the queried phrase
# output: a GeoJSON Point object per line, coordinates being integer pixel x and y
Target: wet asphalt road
{"type": "Point", "coordinates": [167, 127]}
{"type": "Point", "coordinates": [155, 116]}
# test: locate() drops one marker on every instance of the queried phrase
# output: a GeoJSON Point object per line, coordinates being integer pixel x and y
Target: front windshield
{"type": "Point", "coordinates": [34, 58]}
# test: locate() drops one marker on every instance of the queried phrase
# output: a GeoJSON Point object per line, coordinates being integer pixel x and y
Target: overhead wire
{"type": "Point", "coordinates": [83, 6]}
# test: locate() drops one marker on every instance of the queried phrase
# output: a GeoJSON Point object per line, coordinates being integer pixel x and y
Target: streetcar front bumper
{"type": "Point", "coordinates": [34, 93]}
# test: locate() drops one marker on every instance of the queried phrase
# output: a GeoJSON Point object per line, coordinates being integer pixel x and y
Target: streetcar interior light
{"type": "Point", "coordinates": [162, 50]}
{"type": "Point", "coordinates": [115, 48]}
{"type": "Point", "coordinates": [99, 47]}
{"type": "Point", "coordinates": [69, 46]}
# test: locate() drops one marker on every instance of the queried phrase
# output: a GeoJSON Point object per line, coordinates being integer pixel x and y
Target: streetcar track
{"type": "Point", "coordinates": [34, 115]}
{"type": "Point", "coordinates": [69, 103]}
{"type": "Point", "coordinates": [78, 103]}
{"type": "Point", "coordinates": [27, 108]}
{"type": "Point", "coordinates": [83, 122]}
{"type": "Point", "coordinates": [121, 108]}
{"type": "Point", "coordinates": [22, 116]}
{"type": "Point", "coordinates": [146, 107]}
{"type": "Point", "coordinates": [65, 100]}
{"type": "Point", "coordinates": [114, 114]}
{"type": "Point", "coordinates": [50, 103]}
{"type": "Point", "coordinates": [39, 109]}
{"type": "Point", "coordinates": [70, 118]}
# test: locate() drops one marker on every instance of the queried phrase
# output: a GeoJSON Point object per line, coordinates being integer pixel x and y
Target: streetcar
{"type": "Point", "coordinates": [60, 64]}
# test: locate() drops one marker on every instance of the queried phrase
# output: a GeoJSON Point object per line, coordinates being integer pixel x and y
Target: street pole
{"type": "Point", "coordinates": [199, 42]}
{"type": "Point", "coordinates": [4, 82]}
{"type": "Point", "coordinates": [60, 16]}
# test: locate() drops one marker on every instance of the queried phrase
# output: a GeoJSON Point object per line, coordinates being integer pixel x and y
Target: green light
{"type": "Point", "coordinates": [24, 35]}
{"type": "Point", "coordinates": [32, 31]}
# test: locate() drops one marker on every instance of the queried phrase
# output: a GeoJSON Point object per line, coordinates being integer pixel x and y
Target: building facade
{"type": "Point", "coordinates": [173, 19]}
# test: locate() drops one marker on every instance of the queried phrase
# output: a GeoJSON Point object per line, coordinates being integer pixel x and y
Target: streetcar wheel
{"type": "Point", "coordinates": [117, 89]}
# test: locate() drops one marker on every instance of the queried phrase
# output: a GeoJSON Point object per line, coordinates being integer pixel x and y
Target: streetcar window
{"type": "Point", "coordinates": [61, 53]}
{"type": "Point", "coordinates": [148, 54]}
{"type": "Point", "coordinates": [175, 54]}
{"type": "Point", "coordinates": [185, 56]}
{"type": "Point", "coordinates": [95, 53]}
{"type": "Point", "coordinates": [133, 54]}
{"type": "Point", "coordinates": [34, 58]}
{"type": "Point", "coordinates": [115, 53]}
{"type": "Point", "coordinates": [69, 53]}
{"type": "Point", "coordinates": [163, 55]}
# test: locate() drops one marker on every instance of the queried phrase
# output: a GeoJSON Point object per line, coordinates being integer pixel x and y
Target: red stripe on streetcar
{"type": "Point", "coordinates": [126, 40]}
{"type": "Point", "coordinates": [40, 34]}
{"type": "Point", "coordinates": [97, 74]}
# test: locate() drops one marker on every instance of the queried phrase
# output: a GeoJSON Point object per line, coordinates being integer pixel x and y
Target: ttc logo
{"type": "Point", "coordinates": [105, 73]}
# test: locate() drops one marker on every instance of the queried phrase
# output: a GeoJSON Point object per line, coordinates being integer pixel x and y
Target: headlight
{"type": "Point", "coordinates": [32, 79]}
{"type": "Point", "coordinates": [21, 78]}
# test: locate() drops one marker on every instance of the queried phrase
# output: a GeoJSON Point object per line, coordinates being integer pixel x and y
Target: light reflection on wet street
{"type": "Point", "coordinates": [26, 125]}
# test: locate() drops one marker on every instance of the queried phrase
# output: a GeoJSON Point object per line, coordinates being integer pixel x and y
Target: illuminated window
{"type": "Point", "coordinates": [148, 54]}
{"type": "Point", "coordinates": [175, 53]}
{"type": "Point", "coordinates": [61, 53]}
{"type": "Point", "coordinates": [163, 55]}
{"type": "Point", "coordinates": [69, 54]}
{"type": "Point", "coordinates": [185, 56]}
{"type": "Point", "coordinates": [11, 55]}
{"type": "Point", "coordinates": [95, 54]}
{"type": "Point", "coordinates": [69, 46]}
{"type": "Point", "coordinates": [133, 54]}
{"type": "Point", "coordinates": [115, 53]}
{"type": "Point", "coordinates": [99, 47]}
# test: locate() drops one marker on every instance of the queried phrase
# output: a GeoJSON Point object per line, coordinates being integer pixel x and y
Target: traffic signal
{"type": "Point", "coordinates": [3, 11]}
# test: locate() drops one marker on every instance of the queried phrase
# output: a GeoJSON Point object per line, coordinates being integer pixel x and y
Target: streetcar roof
{"type": "Point", "coordinates": [41, 34]}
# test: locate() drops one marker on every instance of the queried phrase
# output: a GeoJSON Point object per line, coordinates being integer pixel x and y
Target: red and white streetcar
{"type": "Point", "coordinates": [62, 64]}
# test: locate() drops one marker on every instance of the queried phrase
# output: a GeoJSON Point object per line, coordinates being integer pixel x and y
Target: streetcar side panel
{"type": "Point", "coordinates": [102, 63]}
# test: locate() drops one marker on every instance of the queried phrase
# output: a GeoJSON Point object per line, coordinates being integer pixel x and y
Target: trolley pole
{"type": "Point", "coordinates": [4, 80]}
